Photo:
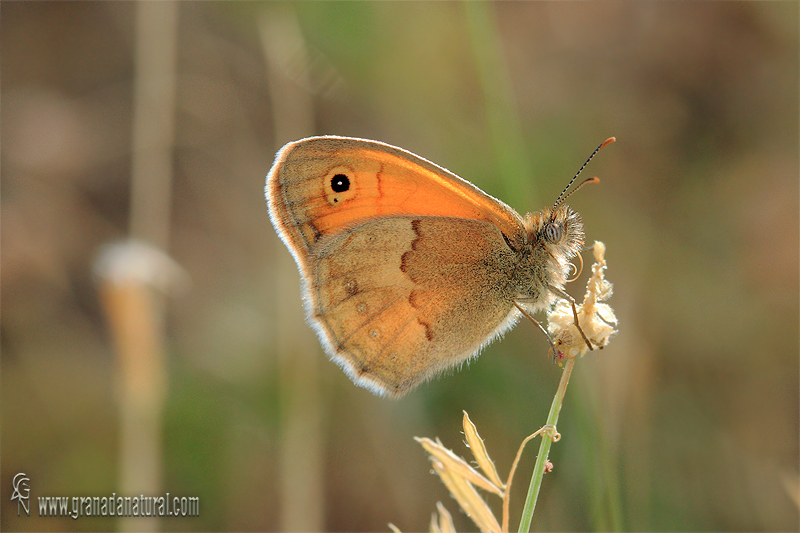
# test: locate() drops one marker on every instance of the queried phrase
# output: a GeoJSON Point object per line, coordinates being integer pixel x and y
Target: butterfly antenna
{"type": "Point", "coordinates": [563, 196]}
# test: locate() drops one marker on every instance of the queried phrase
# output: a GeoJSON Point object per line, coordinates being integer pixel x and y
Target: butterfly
{"type": "Point", "coordinates": [407, 269]}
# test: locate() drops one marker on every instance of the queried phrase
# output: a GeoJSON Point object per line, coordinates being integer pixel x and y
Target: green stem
{"type": "Point", "coordinates": [544, 449]}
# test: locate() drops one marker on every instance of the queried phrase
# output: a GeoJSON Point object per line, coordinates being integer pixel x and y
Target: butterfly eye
{"type": "Point", "coordinates": [553, 232]}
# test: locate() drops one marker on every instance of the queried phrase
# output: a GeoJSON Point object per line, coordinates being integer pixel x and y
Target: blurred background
{"type": "Point", "coordinates": [191, 371]}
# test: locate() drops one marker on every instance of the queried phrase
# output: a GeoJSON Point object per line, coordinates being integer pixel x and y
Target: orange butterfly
{"type": "Point", "coordinates": [407, 269]}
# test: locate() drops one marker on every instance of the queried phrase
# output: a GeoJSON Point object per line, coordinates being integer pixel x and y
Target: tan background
{"type": "Point", "coordinates": [687, 421]}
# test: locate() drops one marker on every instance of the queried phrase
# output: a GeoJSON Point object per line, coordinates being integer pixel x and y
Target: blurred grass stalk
{"type": "Point", "coordinates": [605, 498]}
{"type": "Point", "coordinates": [300, 463]}
{"type": "Point", "coordinates": [129, 271]}
{"type": "Point", "coordinates": [135, 316]}
{"type": "Point", "coordinates": [502, 116]}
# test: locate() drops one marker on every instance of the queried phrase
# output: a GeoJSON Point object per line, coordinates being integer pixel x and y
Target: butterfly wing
{"type": "Point", "coordinates": [399, 257]}
{"type": "Point", "coordinates": [321, 185]}
{"type": "Point", "coordinates": [400, 299]}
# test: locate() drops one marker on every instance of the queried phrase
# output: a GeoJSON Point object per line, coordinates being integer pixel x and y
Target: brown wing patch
{"type": "Point", "coordinates": [395, 329]}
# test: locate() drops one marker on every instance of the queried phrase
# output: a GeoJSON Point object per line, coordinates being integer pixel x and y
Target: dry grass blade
{"type": "Point", "coordinates": [457, 466]}
{"type": "Point", "coordinates": [434, 527]}
{"type": "Point", "coordinates": [478, 448]}
{"type": "Point", "coordinates": [469, 499]}
{"type": "Point", "coordinates": [444, 524]}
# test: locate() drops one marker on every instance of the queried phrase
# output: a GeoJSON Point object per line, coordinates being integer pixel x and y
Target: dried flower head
{"type": "Point", "coordinates": [597, 319]}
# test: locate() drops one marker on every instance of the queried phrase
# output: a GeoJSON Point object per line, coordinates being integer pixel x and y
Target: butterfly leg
{"type": "Point", "coordinates": [571, 300]}
{"type": "Point", "coordinates": [557, 354]}
{"type": "Point", "coordinates": [530, 317]}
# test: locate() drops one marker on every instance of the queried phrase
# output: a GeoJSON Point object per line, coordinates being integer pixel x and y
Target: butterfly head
{"type": "Point", "coordinates": [552, 237]}
{"type": "Point", "coordinates": [556, 231]}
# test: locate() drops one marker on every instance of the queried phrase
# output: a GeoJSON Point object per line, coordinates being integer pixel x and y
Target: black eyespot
{"type": "Point", "coordinates": [553, 232]}
{"type": "Point", "coordinates": [340, 183]}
